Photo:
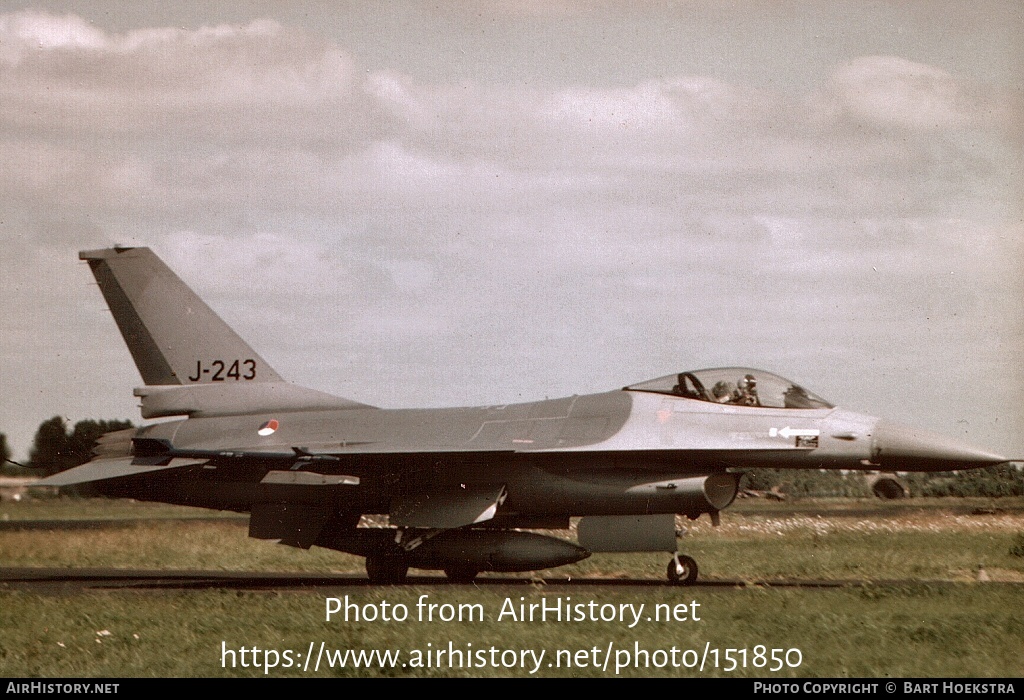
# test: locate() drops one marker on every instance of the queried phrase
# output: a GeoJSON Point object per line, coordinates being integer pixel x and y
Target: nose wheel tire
{"type": "Point", "coordinates": [387, 571]}
{"type": "Point", "coordinates": [682, 570]}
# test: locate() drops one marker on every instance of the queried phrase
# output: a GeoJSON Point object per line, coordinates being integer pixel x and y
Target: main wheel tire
{"type": "Point", "coordinates": [461, 574]}
{"type": "Point", "coordinates": [689, 573]}
{"type": "Point", "coordinates": [387, 571]}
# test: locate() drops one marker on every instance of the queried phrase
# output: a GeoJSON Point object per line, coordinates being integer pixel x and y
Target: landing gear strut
{"type": "Point", "coordinates": [682, 569]}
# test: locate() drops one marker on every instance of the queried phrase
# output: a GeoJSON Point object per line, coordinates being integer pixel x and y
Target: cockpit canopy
{"type": "Point", "coordinates": [737, 386]}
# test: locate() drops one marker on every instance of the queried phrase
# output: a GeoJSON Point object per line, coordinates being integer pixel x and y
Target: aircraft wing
{"type": "Point", "coordinates": [114, 468]}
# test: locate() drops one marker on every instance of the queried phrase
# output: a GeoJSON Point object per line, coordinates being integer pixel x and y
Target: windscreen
{"type": "Point", "coordinates": [737, 386]}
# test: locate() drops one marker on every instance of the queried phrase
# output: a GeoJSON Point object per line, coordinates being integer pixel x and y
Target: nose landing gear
{"type": "Point", "coordinates": [682, 569]}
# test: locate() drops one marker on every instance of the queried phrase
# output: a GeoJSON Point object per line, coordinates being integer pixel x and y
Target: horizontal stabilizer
{"type": "Point", "coordinates": [447, 509]}
{"type": "Point", "coordinates": [103, 469]}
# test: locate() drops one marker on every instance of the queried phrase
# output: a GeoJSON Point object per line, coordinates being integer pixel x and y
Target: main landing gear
{"type": "Point", "coordinates": [682, 569]}
{"type": "Point", "coordinates": [388, 571]}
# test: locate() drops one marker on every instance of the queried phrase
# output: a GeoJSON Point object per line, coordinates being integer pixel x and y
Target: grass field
{"type": "Point", "coordinates": [919, 609]}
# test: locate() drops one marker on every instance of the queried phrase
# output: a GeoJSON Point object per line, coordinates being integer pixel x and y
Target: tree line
{"type": "Point", "coordinates": [993, 482]}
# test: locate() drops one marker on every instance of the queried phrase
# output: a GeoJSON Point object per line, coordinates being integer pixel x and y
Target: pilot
{"type": "Point", "coordinates": [746, 391]}
{"type": "Point", "coordinates": [723, 392]}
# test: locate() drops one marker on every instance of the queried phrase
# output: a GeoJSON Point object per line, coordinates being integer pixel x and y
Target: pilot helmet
{"type": "Point", "coordinates": [747, 382]}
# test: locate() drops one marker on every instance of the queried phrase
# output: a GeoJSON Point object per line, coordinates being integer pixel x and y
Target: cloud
{"type": "Point", "coordinates": [378, 220]}
{"type": "Point", "coordinates": [30, 30]}
{"type": "Point", "coordinates": [265, 115]}
{"type": "Point", "coordinates": [63, 76]}
{"type": "Point", "coordinates": [889, 91]}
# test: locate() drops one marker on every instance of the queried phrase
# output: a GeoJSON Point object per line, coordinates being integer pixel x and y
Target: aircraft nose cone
{"type": "Point", "coordinates": [902, 448]}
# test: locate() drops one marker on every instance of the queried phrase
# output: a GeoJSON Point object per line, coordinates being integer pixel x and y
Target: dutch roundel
{"type": "Point", "coordinates": [268, 428]}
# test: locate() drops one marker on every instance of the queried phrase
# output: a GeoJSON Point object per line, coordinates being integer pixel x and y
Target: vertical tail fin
{"type": "Point", "coordinates": [174, 337]}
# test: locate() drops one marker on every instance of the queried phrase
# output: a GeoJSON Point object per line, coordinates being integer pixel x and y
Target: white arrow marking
{"type": "Point", "coordinates": [788, 432]}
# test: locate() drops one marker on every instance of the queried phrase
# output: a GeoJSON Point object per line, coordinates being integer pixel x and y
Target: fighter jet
{"type": "Point", "coordinates": [463, 489]}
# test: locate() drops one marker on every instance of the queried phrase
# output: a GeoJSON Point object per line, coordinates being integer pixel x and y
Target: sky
{"type": "Point", "coordinates": [440, 204]}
